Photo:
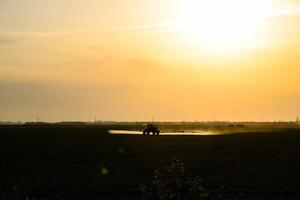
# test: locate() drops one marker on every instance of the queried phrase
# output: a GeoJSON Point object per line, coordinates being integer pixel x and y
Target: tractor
{"type": "Point", "coordinates": [151, 128]}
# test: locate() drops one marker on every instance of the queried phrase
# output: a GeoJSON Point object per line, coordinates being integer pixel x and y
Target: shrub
{"type": "Point", "coordinates": [174, 183]}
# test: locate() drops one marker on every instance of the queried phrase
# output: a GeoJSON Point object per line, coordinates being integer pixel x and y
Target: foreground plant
{"type": "Point", "coordinates": [174, 183]}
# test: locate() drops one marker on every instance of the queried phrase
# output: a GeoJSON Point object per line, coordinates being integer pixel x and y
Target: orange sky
{"type": "Point", "coordinates": [134, 60]}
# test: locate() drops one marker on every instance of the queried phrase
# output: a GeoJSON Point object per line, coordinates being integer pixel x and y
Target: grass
{"type": "Point", "coordinates": [84, 162]}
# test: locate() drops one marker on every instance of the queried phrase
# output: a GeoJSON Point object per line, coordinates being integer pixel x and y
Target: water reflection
{"type": "Point", "coordinates": [128, 132]}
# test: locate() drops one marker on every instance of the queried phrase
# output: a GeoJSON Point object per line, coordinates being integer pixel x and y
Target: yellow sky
{"type": "Point", "coordinates": [134, 60]}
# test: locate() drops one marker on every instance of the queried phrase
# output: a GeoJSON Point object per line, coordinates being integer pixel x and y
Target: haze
{"type": "Point", "coordinates": [134, 60]}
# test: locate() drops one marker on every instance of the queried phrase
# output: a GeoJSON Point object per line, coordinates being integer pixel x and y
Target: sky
{"type": "Point", "coordinates": [134, 60]}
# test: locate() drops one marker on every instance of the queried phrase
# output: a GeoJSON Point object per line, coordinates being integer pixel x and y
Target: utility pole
{"type": "Point", "coordinates": [297, 122]}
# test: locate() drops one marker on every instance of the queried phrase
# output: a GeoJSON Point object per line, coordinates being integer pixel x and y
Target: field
{"type": "Point", "coordinates": [85, 162]}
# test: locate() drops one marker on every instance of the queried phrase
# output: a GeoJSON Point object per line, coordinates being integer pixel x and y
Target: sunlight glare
{"type": "Point", "coordinates": [223, 24]}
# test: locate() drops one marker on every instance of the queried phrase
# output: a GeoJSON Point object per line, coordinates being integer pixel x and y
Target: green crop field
{"type": "Point", "coordinates": [85, 162]}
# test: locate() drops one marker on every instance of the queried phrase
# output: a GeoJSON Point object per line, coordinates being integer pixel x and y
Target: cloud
{"type": "Point", "coordinates": [286, 9]}
{"type": "Point", "coordinates": [8, 39]}
{"type": "Point", "coordinates": [165, 26]}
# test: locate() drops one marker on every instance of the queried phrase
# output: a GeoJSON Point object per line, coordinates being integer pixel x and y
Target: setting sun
{"type": "Point", "coordinates": [224, 24]}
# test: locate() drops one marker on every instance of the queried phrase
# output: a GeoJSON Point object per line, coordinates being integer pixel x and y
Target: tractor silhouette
{"type": "Point", "coordinates": [151, 128]}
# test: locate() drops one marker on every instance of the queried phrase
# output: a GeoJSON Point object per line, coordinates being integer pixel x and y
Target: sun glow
{"type": "Point", "coordinates": [219, 24]}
